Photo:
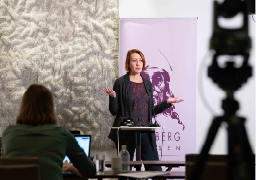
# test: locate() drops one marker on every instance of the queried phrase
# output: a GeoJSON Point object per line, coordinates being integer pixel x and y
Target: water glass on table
{"type": "Point", "coordinates": [99, 163]}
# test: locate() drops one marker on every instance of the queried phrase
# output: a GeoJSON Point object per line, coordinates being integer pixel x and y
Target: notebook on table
{"type": "Point", "coordinates": [85, 143]}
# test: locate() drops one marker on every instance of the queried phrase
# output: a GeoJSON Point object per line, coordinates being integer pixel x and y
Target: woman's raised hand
{"type": "Point", "coordinates": [110, 92]}
{"type": "Point", "coordinates": [174, 100]}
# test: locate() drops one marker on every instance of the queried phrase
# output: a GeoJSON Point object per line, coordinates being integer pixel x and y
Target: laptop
{"type": "Point", "coordinates": [85, 143]}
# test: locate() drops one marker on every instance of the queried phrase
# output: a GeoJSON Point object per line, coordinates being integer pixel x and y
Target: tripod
{"type": "Point", "coordinates": [240, 159]}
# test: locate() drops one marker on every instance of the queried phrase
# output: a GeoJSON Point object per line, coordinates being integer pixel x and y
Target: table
{"type": "Point", "coordinates": [137, 135]}
{"type": "Point", "coordinates": [168, 164]}
{"type": "Point", "coordinates": [135, 164]}
{"type": "Point", "coordinates": [110, 174]}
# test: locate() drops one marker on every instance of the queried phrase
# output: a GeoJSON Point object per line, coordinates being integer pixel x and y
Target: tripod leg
{"type": "Point", "coordinates": [249, 156]}
{"type": "Point", "coordinates": [198, 169]}
{"type": "Point", "coordinates": [240, 159]}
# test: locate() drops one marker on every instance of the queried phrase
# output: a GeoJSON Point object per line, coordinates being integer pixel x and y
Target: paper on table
{"type": "Point", "coordinates": [142, 175]}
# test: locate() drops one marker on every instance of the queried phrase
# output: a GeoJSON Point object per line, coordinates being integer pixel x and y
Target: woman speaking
{"type": "Point", "coordinates": [132, 97]}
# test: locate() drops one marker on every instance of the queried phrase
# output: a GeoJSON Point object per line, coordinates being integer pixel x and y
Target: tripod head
{"type": "Point", "coordinates": [230, 42]}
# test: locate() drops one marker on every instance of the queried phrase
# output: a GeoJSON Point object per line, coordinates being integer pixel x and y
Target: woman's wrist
{"type": "Point", "coordinates": [113, 94]}
{"type": "Point", "coordinates": [73, 169]}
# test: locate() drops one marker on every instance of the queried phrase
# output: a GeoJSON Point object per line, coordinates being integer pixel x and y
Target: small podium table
{"type": "Point", "coordinates": [137, 130]}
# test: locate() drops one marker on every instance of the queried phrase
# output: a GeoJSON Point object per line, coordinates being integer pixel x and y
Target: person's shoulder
{"type": "Point", "coordinates": [12, 128]}
{"type": "Point", "coordinates": [62, 129]}
{"type": "Point", "coordinates": [15, 126]}
{"type": "Point", "coordinates": [121, 79]}
{"type": "Point", "coordinates": [63, 132]}
{"type": "Point", "coordinates": [8, 128]}
{"type": "Point", "coordinates": [146, 81]}
{"type": "Point", "coordinates": [49, 128]}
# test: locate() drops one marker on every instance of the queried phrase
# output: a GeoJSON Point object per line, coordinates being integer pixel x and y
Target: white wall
{"type": "Point", "coordinates": [203, 10]}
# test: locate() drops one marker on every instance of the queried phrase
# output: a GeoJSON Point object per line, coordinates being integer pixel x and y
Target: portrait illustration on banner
{"type": "Point", "coordinates": [161, 85]}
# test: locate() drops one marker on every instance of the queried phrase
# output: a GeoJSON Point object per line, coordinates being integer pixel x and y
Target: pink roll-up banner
{"type": "Point", "coordinates": [169, 46]}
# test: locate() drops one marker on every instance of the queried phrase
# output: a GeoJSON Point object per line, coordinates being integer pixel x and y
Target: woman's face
{"type": "Point", "coordinates": [135, 63]}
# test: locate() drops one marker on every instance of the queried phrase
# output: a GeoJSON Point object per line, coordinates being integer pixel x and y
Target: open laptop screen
{"type": "Point", "coordinates": [85, 142]}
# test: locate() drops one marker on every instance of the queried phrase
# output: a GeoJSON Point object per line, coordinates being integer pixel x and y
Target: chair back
{"type": "Point", "coordinates": [215, 167]}
{"type": "Point", "coordinates": [19, 160]}
{"type": "Point", "coordinates": [19, 168]}
{"type": "Point", "coordinates": [0, 146]}
{"type": "Point", "coordinates": [19, 172]}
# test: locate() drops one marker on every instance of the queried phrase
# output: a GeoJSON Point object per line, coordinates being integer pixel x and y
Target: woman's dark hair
{"type": "Point", "coordinates": [36, 107]}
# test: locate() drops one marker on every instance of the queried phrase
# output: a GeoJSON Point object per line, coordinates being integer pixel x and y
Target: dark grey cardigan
{"type": "Point", "coordinates": [121, 106]}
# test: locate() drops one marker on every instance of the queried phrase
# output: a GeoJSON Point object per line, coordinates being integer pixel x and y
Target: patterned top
{"type": "Point", "coordinates": [140, 100]}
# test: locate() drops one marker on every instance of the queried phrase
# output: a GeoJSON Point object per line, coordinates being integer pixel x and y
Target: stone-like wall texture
{"type": "Point", "coordinates": [71, 47]}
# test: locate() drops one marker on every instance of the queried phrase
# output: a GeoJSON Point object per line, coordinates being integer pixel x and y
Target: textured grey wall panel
{"type": "Point", "coordinates": [71, 47]}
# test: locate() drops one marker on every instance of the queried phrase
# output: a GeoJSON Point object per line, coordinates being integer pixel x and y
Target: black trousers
{"type": "Point", "coordinates": [148, 152]}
